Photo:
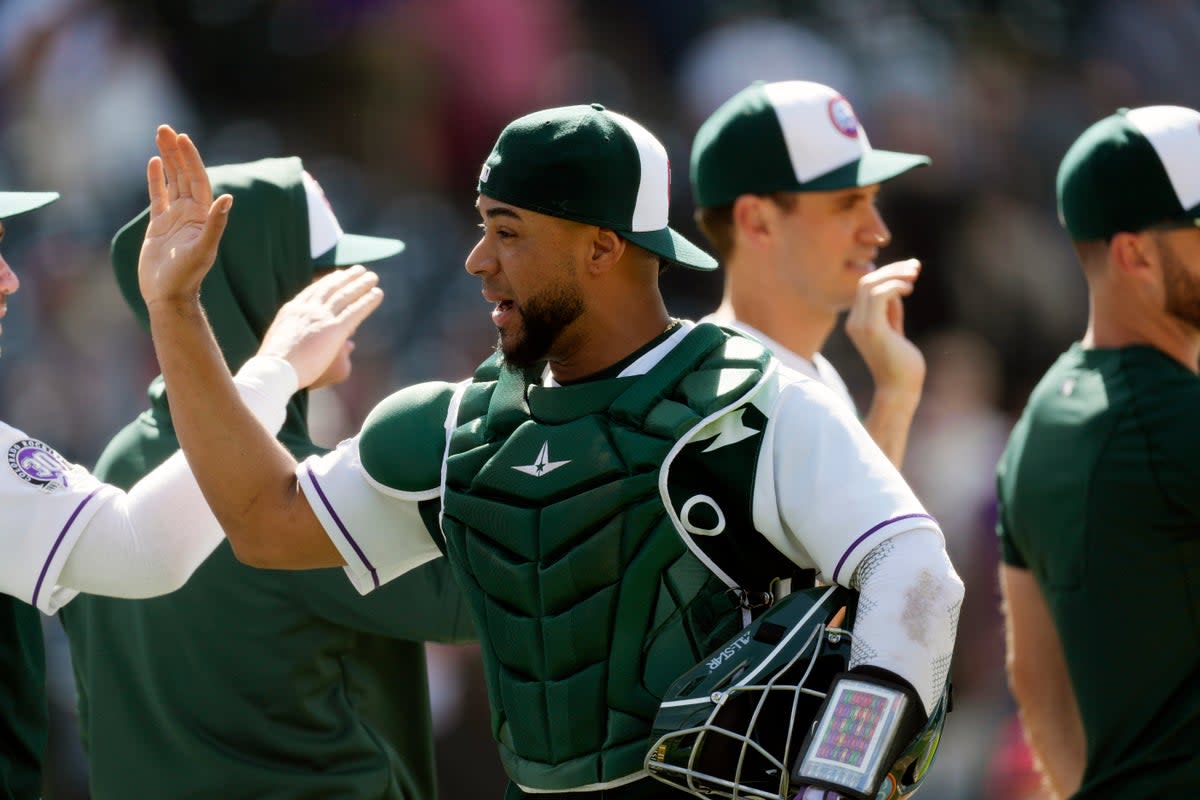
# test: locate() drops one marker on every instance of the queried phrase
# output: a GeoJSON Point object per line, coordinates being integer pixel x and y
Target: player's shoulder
{"type": "Point", "coordinates": [789, 388]}
{"type": "Point", "coordinates": [30, 464]}
{"type": "Point", "coordinates": [1166, 396]}
{"type": "Point", "coordinates": [404, 437]}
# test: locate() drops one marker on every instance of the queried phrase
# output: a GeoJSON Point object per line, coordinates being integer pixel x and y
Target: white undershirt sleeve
{"type": "Point", "coordinates": [150, 540]}
{"type": "Point", "coordinates": [828, 498]}
{"type": "Point", "coordinates": [824, 493]}
{"type": "Point", "coordinates": [909, 600]}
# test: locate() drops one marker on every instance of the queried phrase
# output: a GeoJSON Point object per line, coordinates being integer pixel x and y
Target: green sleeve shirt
{"type": "Point", "coordinates": [1099, 500]}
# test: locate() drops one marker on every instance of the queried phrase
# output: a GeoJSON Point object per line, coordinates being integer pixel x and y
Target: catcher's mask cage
{"type": "Point", "coordinates": [733, 725]}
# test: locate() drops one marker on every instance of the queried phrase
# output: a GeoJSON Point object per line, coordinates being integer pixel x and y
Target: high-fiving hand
{"type": "Point", "coordinates": [185, 222]}
{"type": "Point", "coordinates": [313, 328]}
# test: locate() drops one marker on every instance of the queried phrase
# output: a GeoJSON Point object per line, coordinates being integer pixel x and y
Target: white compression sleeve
{"type": "Point", "coordinates": [150, 540]}
{"type": "Point", "coordinates": [909, 599]}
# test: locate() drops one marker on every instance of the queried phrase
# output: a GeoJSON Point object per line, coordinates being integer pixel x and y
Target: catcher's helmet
{"type": "Point", "coordinates": [734, 724]}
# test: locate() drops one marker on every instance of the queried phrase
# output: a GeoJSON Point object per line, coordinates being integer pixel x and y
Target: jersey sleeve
{"type": "Point", "coordinates": [825, 494]}
{"type": "Point", "coordinates": [367, 493]}
{"type": "Point", "coordinates": [47, 504]}
{"type": "Point", "coordinates": [1010, 554]}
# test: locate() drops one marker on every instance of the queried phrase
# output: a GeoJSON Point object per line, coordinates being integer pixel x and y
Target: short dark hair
{"type": "Point", "coordinates": [716, 222]}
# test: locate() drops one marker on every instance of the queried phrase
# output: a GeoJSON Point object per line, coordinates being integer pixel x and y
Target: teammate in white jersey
{"type": "Point", "coordinates": [64, 532]}
{"type": "Point", "coordinates": [785, 185]}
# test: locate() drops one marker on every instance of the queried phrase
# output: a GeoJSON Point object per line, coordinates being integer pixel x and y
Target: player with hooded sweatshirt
{"type": "Point", "coordinates": [248, 683]}
{"type": "Point", "coordinates": [64, 532]}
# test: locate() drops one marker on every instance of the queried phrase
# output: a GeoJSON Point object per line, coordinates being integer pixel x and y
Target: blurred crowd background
{"type": "Point", "coordinates": [393, 105]}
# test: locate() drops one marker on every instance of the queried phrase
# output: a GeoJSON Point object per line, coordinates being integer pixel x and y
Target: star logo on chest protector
{"type": "Point", "coordinates": [542, 464]}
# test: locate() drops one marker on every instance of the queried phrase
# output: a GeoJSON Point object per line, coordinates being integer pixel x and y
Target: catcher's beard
{"type": "Point", "coordinates": [543, 319]}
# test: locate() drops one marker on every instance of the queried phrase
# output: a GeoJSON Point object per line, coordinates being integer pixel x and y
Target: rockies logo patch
{"type": "Point", "coordinates": [39, 464]}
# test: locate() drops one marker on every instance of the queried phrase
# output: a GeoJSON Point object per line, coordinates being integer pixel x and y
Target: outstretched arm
{"type": "Point", "coordinates": [148, 541]}
{"type": "Point", "coordinates": [1037, 674]}
{"type": "Point", "coordinates": [248, 478]}
{"type": "Point", "coordinates": [876, 327]}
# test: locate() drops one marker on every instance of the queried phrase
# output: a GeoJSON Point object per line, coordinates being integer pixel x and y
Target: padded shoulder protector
{"type": "Point", "coordinates": [404, 437]}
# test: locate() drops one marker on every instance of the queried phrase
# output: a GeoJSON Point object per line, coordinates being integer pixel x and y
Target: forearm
{"type": "Point", "coordinates": [149, 541]}
{"type": "Point", "coordinates": [908, 612]}
{"type": "Point", "coordinates": [248, 478]}
{"type": "Point", "coordinates": [890, 419]}
{"type": "Point", "coordinates": [1041, 682]}
{"type": "Point", "coordinates": [1055, 732]}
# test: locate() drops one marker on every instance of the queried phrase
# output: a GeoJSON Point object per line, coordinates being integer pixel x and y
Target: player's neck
{"type": "Point", "coordinates": [1118, 326]}
{"type": "Point", "coordinates": [607, 335]}
{"type": "Point", "coordinates": [788, 321]}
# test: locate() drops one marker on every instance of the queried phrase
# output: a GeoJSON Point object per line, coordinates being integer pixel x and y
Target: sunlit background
{"type": "Point", "coordinates": [393, 105]}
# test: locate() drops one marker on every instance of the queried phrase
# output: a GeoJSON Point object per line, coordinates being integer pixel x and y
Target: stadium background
{"type": "Point", "coordinates": [393, 104]}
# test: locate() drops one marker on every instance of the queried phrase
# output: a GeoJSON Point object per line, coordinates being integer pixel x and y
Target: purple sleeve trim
{"type": "Point", "coordinates": [862, 538]}
{"type": "Point", "coordinates": [37, 589]}
{"type": "Point", "coordinates": [341, 527]}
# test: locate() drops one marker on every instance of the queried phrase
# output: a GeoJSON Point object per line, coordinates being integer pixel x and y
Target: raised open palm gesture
{"type": "Point", "coordinates": [185, 222]}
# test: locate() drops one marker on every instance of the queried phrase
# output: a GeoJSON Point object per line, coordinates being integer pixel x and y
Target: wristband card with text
{"type": "Point", "coordinates": [853, 743]}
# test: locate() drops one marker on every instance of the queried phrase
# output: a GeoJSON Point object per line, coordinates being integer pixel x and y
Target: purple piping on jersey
{"type": "Point", "coordinates": [338, 521]}
{"type": "Point", "coordinates": [37, 589]}
{"type": "Point", "coordinates": [860, 539]}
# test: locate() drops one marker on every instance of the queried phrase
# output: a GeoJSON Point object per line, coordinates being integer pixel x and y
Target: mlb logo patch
{"type": "Point", "coordinates": [39, 464]}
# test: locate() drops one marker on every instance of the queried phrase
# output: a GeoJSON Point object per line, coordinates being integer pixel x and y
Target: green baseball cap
{"type": "Point", "coordinates": [591, 165]}
{"type": "Point", "coordinates": [1136, 168]}
{"type": "Point", "coordinates": [13, 203]}
{"type": "Point", "coordinates": [787, 136]}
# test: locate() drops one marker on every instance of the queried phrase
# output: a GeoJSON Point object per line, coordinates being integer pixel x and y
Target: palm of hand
{"type": "Point", "coordinates": [185, 224]}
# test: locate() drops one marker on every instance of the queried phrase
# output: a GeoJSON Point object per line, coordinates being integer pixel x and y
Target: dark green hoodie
{"type": "Point", "coordinates": [254, 683]}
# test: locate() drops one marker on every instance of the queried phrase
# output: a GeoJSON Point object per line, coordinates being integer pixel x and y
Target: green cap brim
{"type": "Point", "coordinates": [353, 248]}
{"type": "Point", "coordinates": [13, 203]}
{"type": "Point", "coordinates": [876, 166]}
{"type": "Point", "coordinates": [673, 247]}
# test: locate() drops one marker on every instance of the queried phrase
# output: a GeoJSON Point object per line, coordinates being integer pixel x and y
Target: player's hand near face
{"type": "Point", "coordinates": [185, 222]}
{"type": "Point", "coordinates": [311, 329]}
{"type": "Point", "coordinates": [876, 327]}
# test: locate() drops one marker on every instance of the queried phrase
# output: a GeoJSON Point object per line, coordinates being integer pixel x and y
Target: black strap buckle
{"type": "Point", "coordinates": [750, 600]}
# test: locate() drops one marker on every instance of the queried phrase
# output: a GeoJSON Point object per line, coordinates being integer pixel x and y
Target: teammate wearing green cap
{"type": "Point", "coordinates": [65, 532]}
{"type": "Point", "coordinates": [785, 184]}
{"type": "Point", "coordinates": [1099, 519]}
{"type": "Point", "coordinates": [616, 488]}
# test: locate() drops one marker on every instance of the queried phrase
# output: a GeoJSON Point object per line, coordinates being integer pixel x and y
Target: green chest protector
{"type": "Point", "coordinates": [588, 600]}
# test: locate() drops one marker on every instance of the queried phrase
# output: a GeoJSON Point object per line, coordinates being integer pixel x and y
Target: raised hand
{"type": "Point", "coordinates": [185, 222]}
{"type": "Point", "coordinates": [313, 328]}
{"type": "Point", "coordinates": [875, 325]}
